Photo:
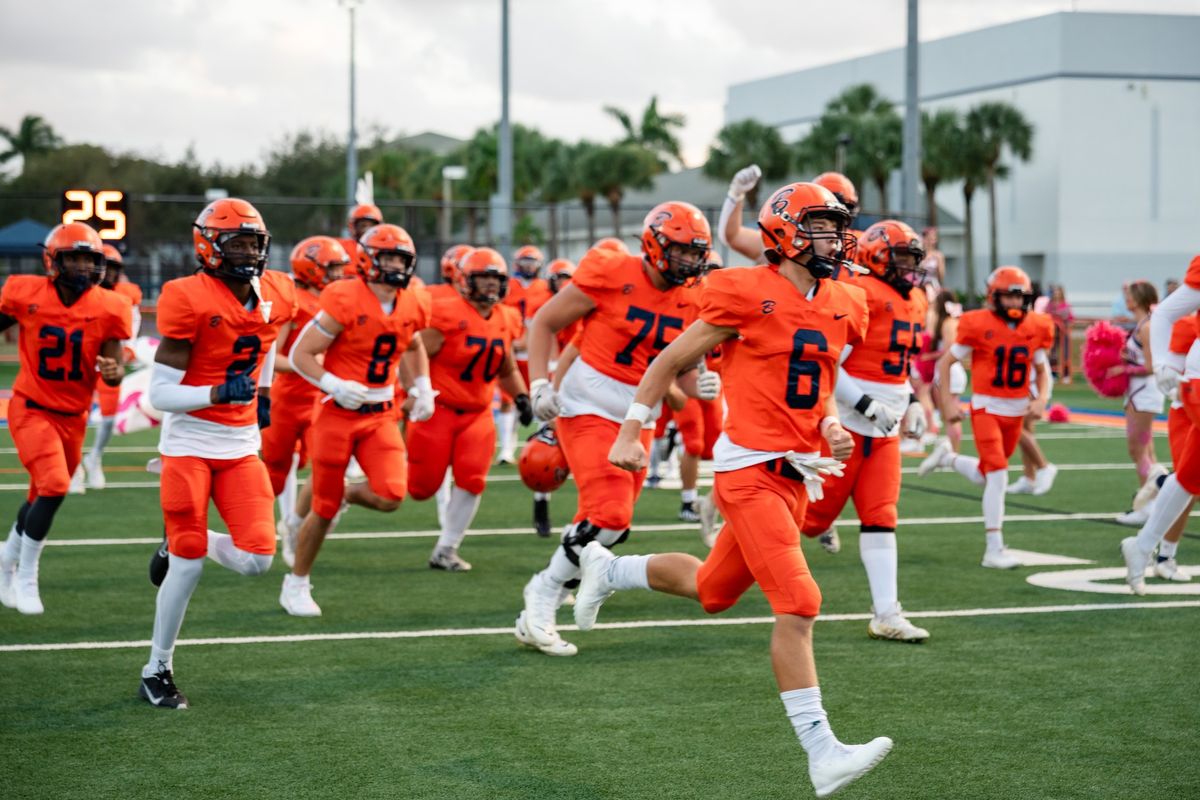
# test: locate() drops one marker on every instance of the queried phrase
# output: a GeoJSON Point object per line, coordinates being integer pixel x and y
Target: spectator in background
{"type": "Point", "coordinates": [1169, 286]}
{"type": "Point", "coordinates": [1119, 311]}
{"type": "Point", "coordinates": [934, 263]}
{"type": "Point", "coordinates": [1143, 399]}
{"type": "Point", "coordinates": [1060, 311]}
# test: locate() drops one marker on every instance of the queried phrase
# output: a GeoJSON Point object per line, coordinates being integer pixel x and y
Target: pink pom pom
{"type": "Point", "coordinates": [1104, 349]}
{"type": "Point", "coordinates": [1058, 413]}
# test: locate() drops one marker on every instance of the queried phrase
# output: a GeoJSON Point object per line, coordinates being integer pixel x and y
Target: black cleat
{"type": "Point", "coordinates": [688, 512]}
{"type": "Point", "coordinates": [541, 518]}
{"type": "Point", "coordinates": [159, 562]}
{"type": "Point", "coordinates": [160, 690]}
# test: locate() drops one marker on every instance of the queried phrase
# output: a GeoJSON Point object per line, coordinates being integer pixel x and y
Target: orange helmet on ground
{"type": "Point", "coordinates": [383, 240]}
{"type": "Point", "coordinates": [542, 465]}
{"type": "Point", "coordinates": [612, 243]}
{"type": "Point", "coordinates": [784, 223]}
{"type": "Point", "coordinates": [319, 261]}
{"type": "Point", "coordinates": [842, 188]}
{"type": "Point", "coordinates": [558, 274]}
{"type": "Point", "coordinates": [452, 260]}
{"type": "Point", "coordinates": [363, 212]}
{"type": "Point", "coordinates": [676, 240]}
{"type": "Point", "coordinates": [222, 222]}
{"type": "Point", "coordinates": [528, 261]}
{"type": "Point", "coordinates": [1010, 281]}
{"type": "Point", "coordinates": [74, 237]}
{"type": "Point", "coordinates": [482, 262]}
{"type": "Point", "coordinates": [880, 244]}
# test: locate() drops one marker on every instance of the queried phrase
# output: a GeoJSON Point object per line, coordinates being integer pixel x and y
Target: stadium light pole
{"type": "Point", "coordinates": [911, 153]}
{"type": "Point", "coordinates": [450, 173]}
{"type": "Point", "coordinates": [352, 139]}
{"type": "Point", "coordinates": [502, 200]}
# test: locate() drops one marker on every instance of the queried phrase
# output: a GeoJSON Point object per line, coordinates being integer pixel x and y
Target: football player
{"type": "Point", "coordinates": [632, 306]}
{"type": "Point", "coordinates": [210, 373]}
{"type": "Point", "coordinates": [877, 405]}
{"type": "Point", "coordinates": [361, 219]}
{"type": "Point", "coordinates": [783, 328]}
{"type": "Point", "coordinates": [1008, 346]}
{"type": "Point", "coordinates": [364, 327]}
{"type": "Point", "coordinates": [469, 341]}
{"type": "Point", "coordinates": [70, 334]}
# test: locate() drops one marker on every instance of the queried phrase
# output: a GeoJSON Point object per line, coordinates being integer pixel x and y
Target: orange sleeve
{"type": "Point", "coordinates": [424, 309]}
{"type": "Point", "coordinates": [593, 276]}
{"type": "Point", "coordinates": [1192, 278]}
{"type": "Point", "coordinates": [176, 315]}
{"type": "Point", "coordinates": [1047, 333]}
{"type": "Point", "coordinates": [1183, 334]}
{"type": "Point", "coordinates": [285, 287]}
{"type": "Point", "coordinates": [10, 297]}
{"type": "Point", "coordinates": [120, 317]}
{"type": "Point", "coordinates": [968, 330]}
{"type": "Point", "coordinates": [516, 325]}
{"type": "Point", "coordinates": [860, 312]}
{"type": "Point", "coordinates": [333, 302]}
{"type": "Point", "coordinates": [722, 301]}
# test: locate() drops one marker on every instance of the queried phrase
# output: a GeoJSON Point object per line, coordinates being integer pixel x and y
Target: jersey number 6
{"type": "Point", "coordinates": [801, 367]}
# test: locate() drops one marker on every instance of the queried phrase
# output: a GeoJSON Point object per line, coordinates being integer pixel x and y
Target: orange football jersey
{"type": "Point", "coordinates": [1002, 353]}
{"type": "Point", "coordinates": [440, 290]}
{"type": "Point", "coordinates": [1183, 334]}
{"type": "Point", "coordinates": [58, 343]}
{"type": "Point", "coordinates": [894, 333]}
{"type": "Point", "coordinates": [369, 347]}
{"type": "Point", "coordinates": [129, 289]}
{"type": "Point", "coordinates": [527, 299]}
{"type": "Point", "coordinates": [632, 321]}
{"type": "Point", "coordinates": [466, 369]}
{"type": "Point", "coordinates": [294, 387]}
{"type": "Point", "coordinates": [227, 338]}
{"type": "Point", "coordinates": [780, 372]}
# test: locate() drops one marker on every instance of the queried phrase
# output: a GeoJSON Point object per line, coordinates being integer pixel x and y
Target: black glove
{"type": "Point", "coordinates": [238, 389]}
{"type": "Point", "coordinates": [264, 411]}
{"type": "Point", "coordinates": [524, 409]}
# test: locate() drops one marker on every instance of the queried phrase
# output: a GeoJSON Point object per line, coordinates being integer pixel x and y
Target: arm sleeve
{"type": "Point", "coordinates": [1179, 304]}
{"type": "Point", "coordinates": [847, 389]}
{"type": "Point", "coordinates": [727, 208]}
{"type": "Point", "coordinates": [167, 392]}
{"type": "Point", "coordinates": [267, 374]}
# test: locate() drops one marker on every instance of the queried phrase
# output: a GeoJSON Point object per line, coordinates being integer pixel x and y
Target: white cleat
{"type": "Point", "coordinates": [354, 471]}
{"type": "Point", "coordinates": [1169, 570]}
{"type": "Point", "coordinates": [830, 540]}
{"type": "Point", "coordinates": [78, 484]}
{"type": "Point", "coordinates": [8, 583]}
{"type": "Point", "coordinates": [1136, 562]}
{"type": "Point", "coordinates": [287, 538]}
{"type": "Point", "coordinates": [846, 763]}
{"type": "Point", "coordinates": [296, 597]}
{"type": "Point", "coordinates": [1135, 518]}
{"type": "Point", "coordinates": [939, 457]}
{"type": "Point", "coordinates": [558, 647]}
{"type": "Point", "coordinates": [1043, 480]}
{"type": "Point", "coordinates": [1149, 490]}
{"type": "Point", "coordinates": [594, 585]}
{"type": "Point", "coordinates": [95, 472]}
{"type": "Point", "coordinates": [895, 627]}
{"type": "Point", "coordinates": [28, 599]}
{"type": "Point", "coordinates": [537, 621]}
{"type": "Point", "coordinates": [911, 447]}
{"type": "Point", "coordinates": [1021, 485]}
{"type": "Point", "coordinates": [708, 521]}
{"type": "Point", "coordinates": [999, 559]}
{"type": "Point", "coordinates": [448, 559]}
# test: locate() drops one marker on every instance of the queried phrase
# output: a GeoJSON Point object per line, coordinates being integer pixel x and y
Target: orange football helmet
{"type": "Point", "coordinates": [223, 221]}
{"type": "Point", "coordinates": [382, 240]}
{"type": "Point", "coordinates": [676, 240]}
{"type": "Point", "coordinates": [558, 274]}
{"type": "Point", "coordinates": [528, 261]}
{"type": "Point", "coordinates": [451, 259]}
{"type": "Point", "coordinates": [542, 465]}
{"type": "Point", "coordinates": [319, 261]}
{"type": "Point", "coordinates": [114, 262]}
{"type": "Point", "coordinates": [878, 247]}
{"type": "Point", "coordinates": [842, 188]}
{"type": "Point", "coordinates": [612, 243]}
{"type": "Point", "coordinates": [482, 262]}
{"type": "Point", "coordinates": [364, 213]}
{"type": "Point", "coordinates": [783, 222]}
{"type": "Point", "coordinates": [1010, 280]}
{"type": "Point", "coordinates": [74, 237]}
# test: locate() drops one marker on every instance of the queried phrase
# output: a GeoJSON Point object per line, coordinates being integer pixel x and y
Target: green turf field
{"type": "Point", "coordinates": [435, 699]}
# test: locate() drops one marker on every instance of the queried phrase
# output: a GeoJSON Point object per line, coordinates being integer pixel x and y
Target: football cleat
{"type": "Point", "coordinates": [538, 618]}
{"type": "Point", "coordinates": [1169, 570]}
{"type": "Point", "coordinates": [1021, 485]}
{"type": "Point", "coordinates": [448, 559]}
{"type": "Point", "coordinates": [95, 472]}
{"type": "Point", "coordinates": [831, 541]}
{"type": "Point", "coordinates": [27, 597]}
{"type": "Point", "coordinates": [541, 517]}
{"type": "Point", "coordinates": [846, 763]}
{"type": "Point", "coordinates": [688, 512]}
{"type": "Point", "coordinates": [939, 457]}
{"type": "Point", "coordinates": [1135, 562]}
{"type": "Point", "coordinates": [1135, 518]}
{"type": "Point", "coordinates": [708, 520]}
{"type": "Point", "coordinates": [594, 585]}
{"type": "Point", "coordinates": [557, 646]}
{"type": "Point", "coordinates": [78, 483]}
{"type": "Point", "coordinates": [8, 581]}
{"type": "Point", "coordinates": [999, 559]}
{"type": "Point", "coordinates": [296, 597]}
{"type": "Point", "coordinates": [1043, 480]}
{"type": "Point", "coordinates": [160, 690]}
{"type": "Point", "coordinates": [159, 563]}
{"type": "Point", "coordinates": [895, 626]}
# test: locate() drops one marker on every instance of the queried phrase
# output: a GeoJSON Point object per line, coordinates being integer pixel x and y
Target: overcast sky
{"type": "Point", "coordinates": [229, 77]}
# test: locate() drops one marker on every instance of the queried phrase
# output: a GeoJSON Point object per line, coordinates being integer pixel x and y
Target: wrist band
{"type": "Point", "coordinates": [536, 384]}
{"type": "Point", "coordinates": [640, 413]}
{"type": "Point", "coordinates": [861, 406]}
{"type": "Point", "coordinates": [828, 421]}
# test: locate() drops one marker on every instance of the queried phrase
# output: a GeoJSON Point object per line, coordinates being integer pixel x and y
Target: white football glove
{"type": "Point", "coordinates": [883, 417]}
{"type": "Point", "coordinates": [546, 404]}
{"type": "Point", "coordinates": [350, 395]}
{"type": "Point", "coordinates": [743, 181]}
{"type": "Point", "coordinates": [422, 393]}
{"type": "Point", "coordinates": [913, 425]}
{"type": "Point", "coordinates": [708, 385]}
{"type": "Point", "coordinates": [1167, 378]}
{"type": "Point", "coordinates": [815, 469]}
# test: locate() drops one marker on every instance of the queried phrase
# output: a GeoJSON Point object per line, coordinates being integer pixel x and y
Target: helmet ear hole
{"type": "Point", "coordinates": [773, 257]}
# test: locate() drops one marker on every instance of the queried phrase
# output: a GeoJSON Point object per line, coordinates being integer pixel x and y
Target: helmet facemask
{"type": "Point", "coordinates": [398, 278]}
{"type": "Point", "coordinates": [475, 292]}
{"type": "Point", "coordinates": [686, 263]}
{"type": "Point", "coordinates": [238, 262]}
{"type": "Point", "coordinates": [79, 278]}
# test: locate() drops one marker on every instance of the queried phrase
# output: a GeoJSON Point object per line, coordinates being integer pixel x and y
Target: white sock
{"type": "Point", "coordinates": [689, 495]}
{"type": "Point", "coordinates": [878, 553]}
{"type": "Point", "coordinates": [507, 424]}
{"type": "Point", "coordinates": [995, 541]}
{"type": "Point", "coordinates": [182, 577]}
{"type": "Point", "coordinates": [287, 497]}
{"type": "Point", "coordinates": [298, 580]}
{"type": "Point", "coordinates": [442, 498]}
{"type": "Point", "coordinates": [629, 572]}
{"type": "Point", "coordinates": [1167, 549]}
{"type": "Point", "coordinates": [804, 710]}
{"type": "Point", "coordinates": [31, 553]}
{"type": "Point", "coordinates": [560, 570]}
{"type": "Point", "coordinates": [222, 550]}
{"type": "Point", "coordinates": [104, 432]}
{"type": "Point", "coordinates": [968, 467]}
{"type": "Point", "coordinates": [1172, 500]}
{"type": "Point", "coordinates": [541, 495]}
{"type": "Point", "coordinates": [293, 520]}
{"type": "Point", "coordinates": [460, 511]}
{"type": "Point", "coordinates": [994, 489]}
{"type": "Point", "coordinates": [12, 546]}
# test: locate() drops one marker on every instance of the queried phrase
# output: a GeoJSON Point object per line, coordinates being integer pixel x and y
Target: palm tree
{"type": "Point", "coordinates": [33, 136]}
{"type": "Point", "coordinates": [969, 166]}
{"type": "Point", "coordinates": [875, 150]}
{"type": "Point", "coordinates": [748, 142]}
{"type": "Point", "coordinates": [656, 132]}
{"type": "Point", "coordinates": [999, 126]}
{"type": "Point", "coordinates": [612, 170]}
{"type": "Point", "coordinates": [939, 132]}
{"type": "Point", "coordinates": [560, 182]}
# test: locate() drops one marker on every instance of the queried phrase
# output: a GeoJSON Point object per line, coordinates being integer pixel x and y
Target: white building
{"type": "Point", "coordinates": [1113, 190]}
